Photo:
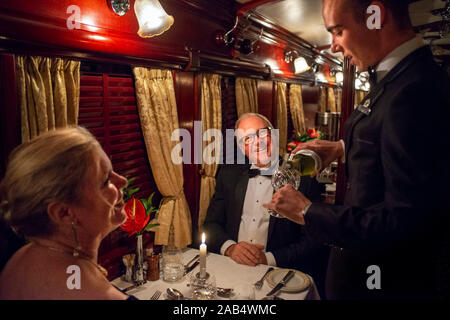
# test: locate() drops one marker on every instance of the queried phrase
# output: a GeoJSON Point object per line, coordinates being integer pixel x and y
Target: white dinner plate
{"type": "Point", "coordinates": [298, 282]}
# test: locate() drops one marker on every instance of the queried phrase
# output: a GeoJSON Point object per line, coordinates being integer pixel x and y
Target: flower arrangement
{"type": "Point", "coordinates": [138, 212]}
{"type": "Point", "coordinates": [312, 134]}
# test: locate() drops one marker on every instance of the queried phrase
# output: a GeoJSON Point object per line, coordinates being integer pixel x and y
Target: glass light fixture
{"type": "Point", "coordinates": [321, 77]}
{"type": "Point", "coordinates": [153, 19]}
{"type": "Point", "coordinates": [301, 65]}
{"type": "Point", "coordinates": [339, 77]}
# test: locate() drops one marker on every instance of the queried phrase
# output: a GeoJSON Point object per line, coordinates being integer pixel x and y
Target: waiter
{"type": "Point", "coordinates": [387, 237]}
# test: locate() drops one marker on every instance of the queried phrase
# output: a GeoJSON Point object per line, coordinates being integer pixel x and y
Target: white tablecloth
{"type": "Point", "coordinates": [227, 273]}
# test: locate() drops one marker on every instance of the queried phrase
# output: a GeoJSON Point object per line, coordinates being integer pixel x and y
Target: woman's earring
{"type": "Point", "coordinates": [77, 247]}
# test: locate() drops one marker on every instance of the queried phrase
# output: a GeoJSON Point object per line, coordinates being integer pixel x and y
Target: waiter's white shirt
{"type": "Point", "coordinates": [254, 227]}
{"type": "Point", "coordinates": [397, 55]}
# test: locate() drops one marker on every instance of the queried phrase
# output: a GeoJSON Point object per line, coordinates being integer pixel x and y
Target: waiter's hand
{"type": "Point", "coordinates": [328, 151]}
{"type": "Point", "coordinates": [246, 253]}
{"type": "Point", "coordinates": [289, 203]}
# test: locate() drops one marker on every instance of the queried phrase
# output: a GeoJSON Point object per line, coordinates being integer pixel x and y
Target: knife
{"type": "Point", "coordinates": [192, 260]}
{"type": "Point", "coordinates": [129, 288]}
{"type": "Point", "coordinates": [282, 283]}
{"type": "Point", "coordinates": [189, 269]}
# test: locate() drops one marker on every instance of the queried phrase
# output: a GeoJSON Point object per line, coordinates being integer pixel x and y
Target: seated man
{"type": "Point", "coordinates": [236, 223]}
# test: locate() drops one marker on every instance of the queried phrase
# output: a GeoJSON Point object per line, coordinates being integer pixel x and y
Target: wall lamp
{"type": "Point", "coordinates": [152, 18]}
{"type": "Point", "coordinates": [300, 63]}
{"type": "Point", "coordinates": [338, 74]}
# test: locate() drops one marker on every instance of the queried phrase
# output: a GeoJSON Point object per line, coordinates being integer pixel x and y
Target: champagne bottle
{"type": "Point", "coordinates": [306, 162]}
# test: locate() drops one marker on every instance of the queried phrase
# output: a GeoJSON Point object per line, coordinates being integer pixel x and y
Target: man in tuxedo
{"type": "Point", "coordinates": [387, 237]}
{"type": "Point", "coordinates": [236, 223]}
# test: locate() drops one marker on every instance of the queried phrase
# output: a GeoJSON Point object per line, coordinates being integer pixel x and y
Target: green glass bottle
{"type": "Point", "coordinates": [306, 162]}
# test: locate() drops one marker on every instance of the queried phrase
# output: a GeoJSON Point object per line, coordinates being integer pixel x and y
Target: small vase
{"type": "Point", "coordinates": [139, 265]}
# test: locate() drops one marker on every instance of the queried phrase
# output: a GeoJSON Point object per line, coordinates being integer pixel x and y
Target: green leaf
{"type": "Point", "coordinates": [151, 225]}
{"type": "Point", "coordinates": [150, 198]}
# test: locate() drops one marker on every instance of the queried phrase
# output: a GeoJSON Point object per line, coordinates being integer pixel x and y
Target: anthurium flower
{"type": "Point", "coordinates": [137, 218]}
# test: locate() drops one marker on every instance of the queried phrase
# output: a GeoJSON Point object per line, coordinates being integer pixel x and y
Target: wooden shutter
{"type": "Point", "coordinates": [108, 109]}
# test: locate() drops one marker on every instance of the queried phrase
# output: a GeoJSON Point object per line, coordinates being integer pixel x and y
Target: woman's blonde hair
{"type": "Point", "coordinates": [50, 167]}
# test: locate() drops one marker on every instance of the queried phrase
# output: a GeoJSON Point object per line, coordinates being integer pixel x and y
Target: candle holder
{"type": "Point", "coordinates": [198, 276]}
{"type": "Point", "coordinates": [203, 288]}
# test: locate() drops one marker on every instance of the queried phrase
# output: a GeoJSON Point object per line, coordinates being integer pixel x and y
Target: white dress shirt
{"type": "Point", "coordinates": [397, 55]}
{"type": "Point", "coordinates": [254, 227]}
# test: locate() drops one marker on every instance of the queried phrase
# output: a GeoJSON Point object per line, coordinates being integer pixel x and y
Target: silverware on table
{"type": "Point", "coordinates": [282, 283]}
{"type": "Point", "coordinates": [192, 260]}
{"type": "Point", "coordinates": [189, 269]}
{"type": "Point", "coordinates": [156, 295]}
{"type": "Point", "coordinates": [174, 294]}
{"type": "Point", "coordinates": [134, 286]}
{"type": "Point", "coordinates": [258, 284]}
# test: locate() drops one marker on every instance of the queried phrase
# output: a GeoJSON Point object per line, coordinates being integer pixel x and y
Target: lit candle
{"type": "Point", "coordinates": [203, 258]}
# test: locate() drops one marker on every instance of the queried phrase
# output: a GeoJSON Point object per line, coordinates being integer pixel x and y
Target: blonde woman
{"type": "Point", "coordinates": [61, 193]}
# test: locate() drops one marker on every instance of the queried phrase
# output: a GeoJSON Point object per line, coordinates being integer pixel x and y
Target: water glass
{"type": "Point", "coordinates": [173, 268]}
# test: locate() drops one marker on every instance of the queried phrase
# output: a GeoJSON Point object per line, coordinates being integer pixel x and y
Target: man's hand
{"type": "Point", "coordinates": [247, 253]}
{"type": "Point", "coordinates": [289, 203]}
{"type": "Point", "coordinates": [328, 151]}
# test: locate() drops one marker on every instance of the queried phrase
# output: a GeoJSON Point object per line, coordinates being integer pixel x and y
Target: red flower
{"type": "Point", "coordinates": [137, 218]}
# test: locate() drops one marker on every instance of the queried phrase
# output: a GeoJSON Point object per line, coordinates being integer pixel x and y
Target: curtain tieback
{"type": "Point", "coordinates": [173, 198]}
{"type": "Point", "coordinates": [202, 172]}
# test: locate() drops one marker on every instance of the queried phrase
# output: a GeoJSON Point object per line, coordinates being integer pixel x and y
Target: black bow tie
{"type": "Point", "coordinates": [372, 76]}
{"type": "Point", "coordinates": [256, 172]}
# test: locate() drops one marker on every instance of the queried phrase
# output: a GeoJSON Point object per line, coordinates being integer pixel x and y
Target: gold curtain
{"type": "Point", "coordinates": [323, 99]}
{"type": "Point", "coordinates": [331, 101]}
{"type": "Point", "coordinates": [159, 118]}
{"type": "Point", "coordinates": [211, 106]}
{"type": "Point", "coordinates": [282, 121]}
{"type": "Point", "coordinates": [49, 93]}
{"type": "Point", "coordinates": [359, 96]}
{"type": "Point", "coordinates": [246, 96]}
{"type": "Point", "coordinates": [296, 105]}
{"type": "Point", "coordinates": [339, 100]}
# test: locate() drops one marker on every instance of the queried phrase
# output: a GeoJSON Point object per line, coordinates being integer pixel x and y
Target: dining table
{"type": "Point", "coordinates": [227, 273]}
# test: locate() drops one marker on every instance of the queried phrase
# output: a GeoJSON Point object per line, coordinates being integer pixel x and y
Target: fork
{"type": "Point", "coordinates": [258, 284]}
{"type": "Point", "coordinates": [156, 295]}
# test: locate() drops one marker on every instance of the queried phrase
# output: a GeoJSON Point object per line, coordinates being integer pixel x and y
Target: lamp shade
{"type": "Point", "coordinates": [301, 65]}
{"type": "Point", "coordinates": [339, 77]}
{"type": "Point", "coordinates": [152, 18]}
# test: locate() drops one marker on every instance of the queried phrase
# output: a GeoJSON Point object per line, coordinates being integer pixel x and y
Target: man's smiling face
{"type": "Point", "coordinates": [256, 148]}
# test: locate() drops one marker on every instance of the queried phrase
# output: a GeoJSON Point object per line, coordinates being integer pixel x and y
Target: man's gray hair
{"type": "Point", "coordinates": [250, 115]}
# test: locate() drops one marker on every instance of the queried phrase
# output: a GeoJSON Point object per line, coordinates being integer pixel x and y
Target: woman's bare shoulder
{"type": "Point", "coordinates": [33, 273]}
